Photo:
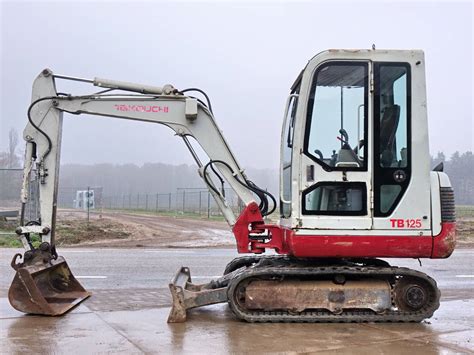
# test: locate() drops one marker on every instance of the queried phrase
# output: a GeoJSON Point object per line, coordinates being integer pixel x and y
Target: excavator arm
{"type": "Point", "coordinates": [185, 115]}
{"type": "Point", "coordinates": [44, 283]}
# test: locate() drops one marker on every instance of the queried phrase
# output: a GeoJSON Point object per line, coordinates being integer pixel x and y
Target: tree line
{"type": "Point", "coordinates": [460, 169]}
{"type": "Point", "coordinates": [123, 179]}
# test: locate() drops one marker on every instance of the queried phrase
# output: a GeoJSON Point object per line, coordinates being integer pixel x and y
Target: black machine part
{"type": "Point", "coordinates": [283, 289]}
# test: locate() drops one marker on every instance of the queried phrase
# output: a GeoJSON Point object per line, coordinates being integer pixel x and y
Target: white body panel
{"type": "Point", "coordinates": [51, 122]}
{"type": "Point", "coordinates": [184, 115]}
{"type": "Point", "coordinates": [443, 180]}
{"type": "Point", "coordinates": [415, 203]}
{"type": "Point", "coordinates": [435, 203]}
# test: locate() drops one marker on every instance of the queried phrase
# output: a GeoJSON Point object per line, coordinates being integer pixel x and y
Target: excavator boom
{"type": "Point", "coordinates": [42, 273]}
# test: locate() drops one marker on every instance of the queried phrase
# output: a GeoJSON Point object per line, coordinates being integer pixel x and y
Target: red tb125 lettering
{"type": "Point", "coordinates": [405, 223]}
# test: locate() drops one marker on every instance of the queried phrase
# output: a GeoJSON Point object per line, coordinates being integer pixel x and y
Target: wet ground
{"type": "Point", "coordinates": [129, 230]}
{"type": "Point", "coordinates": [130, 303]}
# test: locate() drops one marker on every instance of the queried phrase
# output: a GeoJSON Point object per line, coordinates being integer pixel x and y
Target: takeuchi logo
{"type": "Point", "coordinates": [142, 108]}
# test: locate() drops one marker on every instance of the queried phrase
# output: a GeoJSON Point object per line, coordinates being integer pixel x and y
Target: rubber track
{"type": "Point", "coordinates": [247, 260]}
{"type": "Point", "coordinates": [354, 316]}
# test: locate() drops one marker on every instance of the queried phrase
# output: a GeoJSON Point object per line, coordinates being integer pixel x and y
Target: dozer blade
{"type": "Point", "coordinates": [177, 286]}
{"type": "Point", "coordinates": [43, 286]}
{"type": "Point", "coordinates": [186, 295]}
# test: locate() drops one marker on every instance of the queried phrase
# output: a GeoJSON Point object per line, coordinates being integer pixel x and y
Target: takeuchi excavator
{"type": "Point", "coordinates": [355, 189]}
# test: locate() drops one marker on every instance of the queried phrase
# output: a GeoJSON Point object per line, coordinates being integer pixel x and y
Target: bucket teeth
{"type": "Point", "coordinates": [44, 284]}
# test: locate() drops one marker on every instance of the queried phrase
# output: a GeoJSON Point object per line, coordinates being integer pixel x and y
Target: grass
{"type": "Point", "coordinates": [7, 241]}
{"type": "Point", "coordinates": [179, 214]}
{"type": "Point", "coordinates": [464, 211]}
{"type": "Point", "coordinates": [13, 241]}
{"type": "Point", "coordinates": [274, 217]}
{"type": "Point", "coordinates": [8, 237]}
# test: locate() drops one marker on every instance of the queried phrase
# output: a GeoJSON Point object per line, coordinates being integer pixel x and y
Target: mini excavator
{"type": "Point", "coordinates": [355, 187]}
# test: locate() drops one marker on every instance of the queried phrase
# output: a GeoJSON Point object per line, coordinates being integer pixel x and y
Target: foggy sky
{"type": "Point", "coordinates": [245, 56]}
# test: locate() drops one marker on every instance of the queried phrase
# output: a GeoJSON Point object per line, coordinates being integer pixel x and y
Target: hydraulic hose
{"type": "Point", "coordinates": [202, 92]}
{"type": "Point", "coordinates": [262, 194]}
{"type": "Point", "coordinates": [50, 144]}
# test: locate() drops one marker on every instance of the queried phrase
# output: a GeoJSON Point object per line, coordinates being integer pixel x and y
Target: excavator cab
{"type": "Point", "coordinates": [355, 154]}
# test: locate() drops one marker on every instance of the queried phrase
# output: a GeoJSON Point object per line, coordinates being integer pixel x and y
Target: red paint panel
{"type": "Point", "coordinates": [250, 224]}
{"type": "Point", "coordinates": [360, 246]}
{"type": "Point", "coordinates": [445, 242]}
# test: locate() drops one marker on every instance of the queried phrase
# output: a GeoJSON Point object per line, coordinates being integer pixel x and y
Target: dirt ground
{"type": "Point", "coordinates": [122, 229]}
{"type": "Point", "coordinates": [465, 231]}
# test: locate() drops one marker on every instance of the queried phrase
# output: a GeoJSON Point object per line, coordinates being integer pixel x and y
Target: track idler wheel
{"type": "Point", "coordinates": [411, 295]}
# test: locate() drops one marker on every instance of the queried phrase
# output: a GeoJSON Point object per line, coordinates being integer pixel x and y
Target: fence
{"type": "Point", "coordinates": [10, 189]}
{"type": "Point", "coordinates": [183, 201]}
{"type": "Point", "coordinates": [197, 201]}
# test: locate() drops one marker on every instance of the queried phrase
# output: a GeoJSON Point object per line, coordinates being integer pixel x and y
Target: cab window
{"type": "Point", "coordinates": [336, 130]}
{"type": "Point", "coordinates": [392, 162]}
{"type": "Point", "coordinates": [286, 161]}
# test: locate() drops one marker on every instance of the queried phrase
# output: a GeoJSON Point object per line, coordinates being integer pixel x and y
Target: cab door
{"type": "Point", "coordinates": [336, 178]}
{"type": "Point", "coordinates": [392, 133]}
{"type": "Point", "coordinates": [401, 151]}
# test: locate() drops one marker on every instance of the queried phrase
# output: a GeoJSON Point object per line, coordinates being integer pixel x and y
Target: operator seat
{"type": "Point", "coordinates": [346, 158]}
{"type": "Point", "coordinates": [388, 129]}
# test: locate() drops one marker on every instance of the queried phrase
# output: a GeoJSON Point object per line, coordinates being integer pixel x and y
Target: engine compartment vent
{"type": "Point", "coordinates": [448, 210]}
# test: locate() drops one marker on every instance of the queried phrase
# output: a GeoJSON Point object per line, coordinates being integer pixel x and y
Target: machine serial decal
{"type": "Point", "coordinates": [142, 108]}
{"type": "Point", "coordinates": [406, 223]}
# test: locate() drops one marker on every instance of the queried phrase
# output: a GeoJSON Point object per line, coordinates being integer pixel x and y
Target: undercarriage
{"type": "Point", "coordinates": [284, 289]}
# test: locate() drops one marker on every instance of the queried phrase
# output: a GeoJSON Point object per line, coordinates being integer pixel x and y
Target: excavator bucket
{"type": "Point", "coordinates": [43, 286]}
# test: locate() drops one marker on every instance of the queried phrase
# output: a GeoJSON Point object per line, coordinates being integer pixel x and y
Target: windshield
{"type": "Point", "coordinates": [337, 113]}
